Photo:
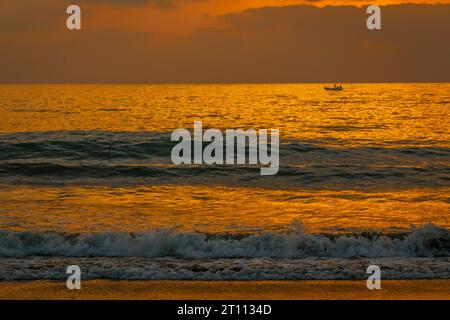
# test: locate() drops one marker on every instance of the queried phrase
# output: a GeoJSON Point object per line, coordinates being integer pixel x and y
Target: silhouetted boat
{"type": "Point", "coordinates": [334, 88]}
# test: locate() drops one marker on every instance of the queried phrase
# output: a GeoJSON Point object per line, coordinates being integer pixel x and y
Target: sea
{"type": "Point", "coordinates": [86, 178]}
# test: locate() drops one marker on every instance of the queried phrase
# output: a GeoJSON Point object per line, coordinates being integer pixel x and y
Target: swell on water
{"type": "Point", "coordinates": [128, 158]}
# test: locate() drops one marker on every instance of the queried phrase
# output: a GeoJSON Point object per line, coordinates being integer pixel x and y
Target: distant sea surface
{"type": "Point", "coordinates": [86, 178]}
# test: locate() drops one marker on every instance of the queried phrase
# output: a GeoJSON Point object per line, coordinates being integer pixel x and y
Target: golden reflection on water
{"type": "Point", "coordinates": [361, 114]}
{"type": "Point", "coordinates": [216, 209]}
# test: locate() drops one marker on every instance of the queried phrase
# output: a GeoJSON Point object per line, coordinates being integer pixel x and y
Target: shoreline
{"type": "Point", "coordinates": [226, 290]}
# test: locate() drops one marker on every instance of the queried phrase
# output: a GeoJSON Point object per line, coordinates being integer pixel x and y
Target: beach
{"type": "Point", "coordinates": [229, 290]}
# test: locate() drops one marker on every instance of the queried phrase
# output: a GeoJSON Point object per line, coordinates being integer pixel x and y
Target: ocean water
{"type": "Point", "coordinates": [86, 178]}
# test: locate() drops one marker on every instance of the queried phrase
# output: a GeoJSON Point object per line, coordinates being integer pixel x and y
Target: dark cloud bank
{"type": "Point", "coordinates": [285, 44]}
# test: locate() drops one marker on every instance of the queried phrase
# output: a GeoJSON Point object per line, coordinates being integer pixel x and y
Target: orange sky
{"type": "Point", "coordinates": [182, 17]}
{"type": "Point", "coordinates": [223, 41]}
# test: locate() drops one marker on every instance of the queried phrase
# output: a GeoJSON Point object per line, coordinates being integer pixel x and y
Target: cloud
{"type": "Point", "coordinates": [39, 15]}
{"type": "Point", "coordinates": [282, 44]}
{"type": "Point", "coordinates": [131, 3]}
{"type": "Point", "coordinates": [20, 15]}
{"type": "Point", "coordinates": [159, 3]}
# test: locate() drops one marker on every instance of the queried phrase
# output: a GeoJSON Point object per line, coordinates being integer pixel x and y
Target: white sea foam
{"type": "Point", "coordinates": [426, 241]}
{"type": "Point", "coordinates": [137, 268]}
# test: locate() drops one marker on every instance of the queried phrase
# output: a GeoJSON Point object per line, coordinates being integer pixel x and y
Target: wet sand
{"type": "Point", "coordinates": [211, 290]}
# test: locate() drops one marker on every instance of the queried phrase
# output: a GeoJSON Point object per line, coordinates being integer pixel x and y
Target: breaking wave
{"type": "Point", "coordinates": [426, 241]}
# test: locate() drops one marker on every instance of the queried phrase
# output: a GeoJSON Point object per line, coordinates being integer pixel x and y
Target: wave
{"type": "Point", "coordinates": [426, 241]}
{"type": "Point", "coordinates": [317, 176]}
{"type": "Point", "coordinates": [97, 157]}
{"type": "Point", "coordinates": [112, 146]}
{"type": "Point", "coordinates": [74, 145]}
{"type": "Point", "coordinates": [138, 268]}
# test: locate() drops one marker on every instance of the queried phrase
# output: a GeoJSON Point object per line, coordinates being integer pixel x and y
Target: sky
{"type": "Point", "coordinates": [158, 41]}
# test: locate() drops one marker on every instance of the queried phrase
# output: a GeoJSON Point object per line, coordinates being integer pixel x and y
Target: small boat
{"type": "Point", "coordinates": [334, 88]}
